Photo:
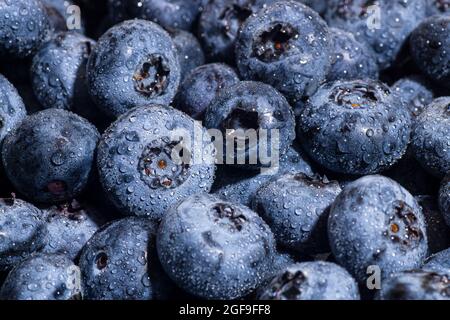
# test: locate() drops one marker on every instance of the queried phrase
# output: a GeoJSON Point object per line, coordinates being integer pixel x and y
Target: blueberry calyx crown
{"type": "Point", "coordinates": [101, 260]}
{"type": "Point", "coordinates": [315, 180]}
{"type": "Point", "coordinates": [288, 285]}
{"type": "Point", "coordinates": [356, 96]}
{"type": "Point", "coordinates": [152, 76]}
{"type": "Point", "coordinates": [403, 227]}
{"type": "Point", "coordinates": [234, 216]}
{"type": "Point", "coordinates": [234, 13]}
{"type": "Point", "coordinates": [158, 169]}
{"type": "Point", "coordinates": [272, 44]}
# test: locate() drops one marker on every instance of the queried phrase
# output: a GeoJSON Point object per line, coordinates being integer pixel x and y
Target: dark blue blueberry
{"type": "Point", "coordinates": [416, 285]}
{"type": "Point", "coordinates": [24, 27]}
{"type": "Point", "coordinates": [237, 186]}
{"type": "Point", "coordinates": [416, 93]}
{"type": "Point", "coordinates": [429, 47]}
{"type": "Point", "coordinates": [133, 64]}
{"type": "Point", "coordinates": [22, 231]}
{"type": "Point", "coordinates": [376, 222]}
{"type": "Point", "coordinates": [136, 164]}
{"type": "Point", "coordinates": [178, 14]}
{"type": "Point", "coordinates": [201, 87]}
{"type": "Point", "coordinates": [190, 53]}
{"type": "Point", "coordinates": [219, 25]}
{"type": "Point", "coordinates": [354, 127]}
{"type": "Point", "coordinates": [384, 24]}
{"type": "Point", "coordinates": [58, 74]}
{"type": "Point", "coordinates": [317, 280]}
{"type": "Point", "coordinates": [437, 7]}
{"type": "Point", "coordinates": [444, 198]}
{"type": "Point", "coordinates": [120, 263]}
{"type": "Point", "coordinates": [430, 137]}
{"type": "Point", "coordinates": [69, 227]}
{"type": "Point", "coordinates": [256, 106]}
{"type": "Point", "coordinates": [437, 231]}
{"type": "Point", "coordinates": [215, 249]}
{"type": "Point", "coordinates": [350, 59]}
{"type": "Point", "coordinates": [286, 45]}
{"type": "Point", "coordinates": [318, 5]}
{"type": "Point", "coordinates": [49, 156]}
{"type": "Point", "coordinates": [295, 206]}
{"type": "Point", "coordinates": [439, 262]}
{"type": "Point", "coordinates": [43, 277]}
{"type": "Point", "coordinates": [12, 109]}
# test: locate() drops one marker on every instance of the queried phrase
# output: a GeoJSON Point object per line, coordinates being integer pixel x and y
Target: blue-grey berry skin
{"type": "Point", "coordinates": [24, 27]}
{"type": "Point", "coordinates": [430, 137]}
{"type": "Point", "coordinates": [58, 74]}
{"type": "Point", "coordinates": [316, 280]}
{"type": "Point", "coordinates": [69, 227]}
{"type": "Point", "coordinates": [201, 86]}
{"type": "Point", "coordinates": [178, 14]}
{"type": "Point", "coordinates": [444, 198]}
{"type": "Point", "coordinates": [49, 156]}
{"type": "Point", "coordinates": [354, 127]}
{"type": "Point", "coordinates": [429, 47]}
{"type": "Point", "coordinates": [12, 108]}
{"type": "Point", "coordinates": [219, 25]}
{"type": "Point", "coordinates": [437, 230]}
{"type": "Point", "coordinates": [295, 206]}
{"type": "Point", "coordinates": [43, 277]}
{"type": "Point", "coordinates": [240, 187]}
{"type": "Point", "coordinates": [350, 59]}
{"type": "Point", "coordinates": [416, 285]}
{"type": "Point", "coordinates": [286, 45]}
{"type": "Point", "coordinates": [318, 5]}
{"type": "Point", "coordinates": [22, 231]}
{"type": "Point", "coordinates": [120, 263]}
{"type": "Point", "coordinates": [375, 221]}
{"type": "Point", "coordinates": [416, 93]}
{"type": "Point", "coordinates": [384, 25]}
{"type": "Point", "coordinates": [215, 249]}
{"type": "Point", "coordinates": [134, 63]}
{"type": "Point", "coordinates": [250, 105]}
{"type": "Point", "coordinates": [435, 7]}
{"type": "Point", "coordinates": [190, 53]}
{"type": "Point", "coordinates": [439, 262]}
{"type": "Point", "coordinates": [136, 166]}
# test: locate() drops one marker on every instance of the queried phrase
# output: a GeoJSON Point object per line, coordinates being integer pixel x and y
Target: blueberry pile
{"type": "Point", "coordinates": [118, 180]}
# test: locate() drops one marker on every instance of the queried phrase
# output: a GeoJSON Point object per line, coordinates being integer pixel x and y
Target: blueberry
{"type": "Point", "coordinates": [190, 53]}
{"type": "Point", "coordinates": [317, 280]}
{"type": "Point", "coordinates": [43, 277]}
{"type": "Point", "coordinates": [24, 27]}
{"type": "Point", "coordinates": [354, 127]}
{"type": "Point", "coordinates": [12, 109]}
{"type": "Point", "coordinates": [246, 106]}
{"type": "Point", "coordinates": [350, 59]}
{"type": "Point", "coordinates": [49, 156]}
{"type": "Point", "coordinates": [69, 227]}
{"type": "Point", "coordinates": [429, 47]}
{"type": "Point", "coordinates": [237, 186]}
{"type": "Point", "coordinates": [437, 7]}
{"type": "Point", "coordinates": [136, 164]}
{"type": "Point", "coordinates": [215, 249]}
{"type": "Point", "coordinates": [58, 74]}
{"type": "Point", "coordinates": [430, 142]}
{"type": "Point", "coordinates": [375, 221]}
{"type": "Point", "coordinates": [295, 206]}
{"type": "Point", "coordinates": [286, 45]}
{"type": "Point", "coordinates": [384, 24]}
{"type": "Point", "coordinates": [120, 262]}
{"type": "Point", "coordinates": [133, 64]}
{"type": "Point", "coordinates": [179, 14]}
{"type": "Point", "coordinates": [22, 231]}
{"type": "Point", "coordinates": [416, 93]}
{"type": "Point", "coordinates": [416, 285]}
{"type": "Point", "coordinates": [318, 5]}
{"type": "Point", "coordinates": [437, 231]}
{"type": "Point", "coordinates": [201, 86]}
{"type": "Point", "coordinates": [444, 198]}
{"type": "Point", "coordinates": [439, 262]}
{"type": "Point", "coordinates": [219, 25]}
